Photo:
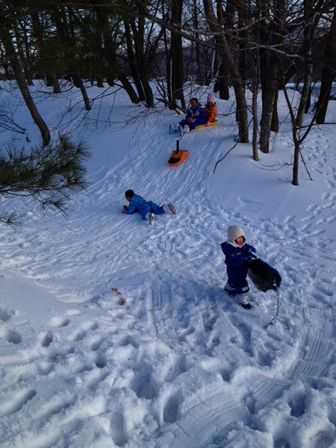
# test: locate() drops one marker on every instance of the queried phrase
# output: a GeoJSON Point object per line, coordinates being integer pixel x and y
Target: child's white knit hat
{"type": "Point", "coordinates": [235, 232]}
{"type": "Point", "coordinates": [211, 98]}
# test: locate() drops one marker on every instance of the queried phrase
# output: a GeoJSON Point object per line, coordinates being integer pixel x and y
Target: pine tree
{"type": "Point", "coordinates": [49, 174]}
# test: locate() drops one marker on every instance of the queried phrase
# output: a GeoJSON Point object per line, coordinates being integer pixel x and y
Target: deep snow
{"type": "Point", "coordinates": [179, 364]}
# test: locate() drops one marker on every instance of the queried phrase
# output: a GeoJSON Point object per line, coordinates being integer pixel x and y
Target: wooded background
{"type": "Point", "coordinates": [259, 45]}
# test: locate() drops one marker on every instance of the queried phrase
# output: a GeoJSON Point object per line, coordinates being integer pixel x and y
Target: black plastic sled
{"type": "Point", "coordinates": [263, 276]}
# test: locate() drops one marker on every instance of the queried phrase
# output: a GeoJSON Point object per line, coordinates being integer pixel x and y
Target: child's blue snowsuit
{"type": "Point", "coordinates": [236, 266]}
{"type": "Point", "coordinates": [138, 204]}
{"type": "Point", "coordinates": [197, 113]}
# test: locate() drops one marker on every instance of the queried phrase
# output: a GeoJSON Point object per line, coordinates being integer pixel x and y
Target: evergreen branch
{"type": "Point", "coordinates": [48, 174]}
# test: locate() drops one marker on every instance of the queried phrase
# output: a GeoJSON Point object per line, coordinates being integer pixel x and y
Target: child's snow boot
{"type": "Point", "coordinates": [231, 292]}
{"type": "Point", "coordinates": [173, 128]}
{"type": "Point", "coordinates": [185, 130]}
{"type": "Point", "coordinates": [246, 306]}
{"type": "Point", "coordinates": [150, 218]}
{"type": "Point", "coordinates": [243, 300]}
{"type": "Point", "coordinates": [169, 208]}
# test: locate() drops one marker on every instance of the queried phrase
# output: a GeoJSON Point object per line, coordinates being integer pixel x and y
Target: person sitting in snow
{"type": "Point", "coordinates": [237, 253]}
{"type": "Point", "coordinates": [210, 109]}
{"type": "Point", "coordinates": [147, 209]}
{"type": "Point", "coordinates": [194, 116]}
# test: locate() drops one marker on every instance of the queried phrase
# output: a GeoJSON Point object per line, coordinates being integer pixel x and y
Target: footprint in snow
{"type": "Point", "coordinates": [5, 315]}
{"type": "Point", "coordinates": [13, 337]}
{"type": "Point", "coordinates": [297, 404]}
{"type": "Point", "coordinates": [118, 430]}
{"type": "Point", "coordinates": [100, 361]}
{"type": "Point", "coordinates": [82, 333]}
{"type": "Point", "coordinates": [144, 384]}
{"type": "Point", "coordinates": [47, 339]}
{"type": "Point", "coordinates": [281, 443]}
{"type": "Point", "coordinates": [16, 401]}
{"type": "Point", "coordinates": [171, 407]}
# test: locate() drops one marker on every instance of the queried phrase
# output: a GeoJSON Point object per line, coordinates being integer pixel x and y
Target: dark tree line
{"type": "Point", "coordinates": [258, 45]}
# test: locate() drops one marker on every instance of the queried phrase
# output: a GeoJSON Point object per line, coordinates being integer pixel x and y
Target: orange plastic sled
{"type": "Point", "coordinates": [178, 156]}
{"type": "Point", "coordinates": [204, 126]}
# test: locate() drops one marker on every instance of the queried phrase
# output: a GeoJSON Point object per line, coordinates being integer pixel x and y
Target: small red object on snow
{"type": "Point", "coordinates": [178, 156]}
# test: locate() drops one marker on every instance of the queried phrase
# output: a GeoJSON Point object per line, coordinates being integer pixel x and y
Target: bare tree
{"type": "Point", "coordinates": [312, 15]}
{"type": "Point", "coordinates": [45, 55]}
{"type": "Point", "coordinates": [272, 33]}
{"type": "Point", "coordinates": [329, 72]}
{"type": "Point", "coordinates": [176, 77]}
{"type": "Point", "coordinates": [298, 137]}
{"type": "Point", "coordinates": [237, 81]}
{"type": "Point", "coordinates": [8, 43]}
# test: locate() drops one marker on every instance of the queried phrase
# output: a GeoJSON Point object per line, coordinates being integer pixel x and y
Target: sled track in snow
{"type": "Point", "coordinates": [316, 351]}
{"type": "Point", "coordinates": [312, 358]}
{"type": "Point", "coordinates": [205, 415]}
{"type": "Point", "coordinates": [181, 314]}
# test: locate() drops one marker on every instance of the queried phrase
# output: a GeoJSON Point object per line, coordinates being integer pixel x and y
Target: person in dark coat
{"type": "Point", "coordinates": [137, 204]}
{"type": "Point", "coordinates": [195, 115]}
{"type": "Point", "coordinates": [237, 253]}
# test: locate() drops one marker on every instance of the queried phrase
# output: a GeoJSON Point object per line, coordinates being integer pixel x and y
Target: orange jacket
{"type": "Point", "coordinates": [210, 112]}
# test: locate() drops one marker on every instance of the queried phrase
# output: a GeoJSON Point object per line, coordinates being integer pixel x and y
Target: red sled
{"type": "Point", "coordinates": [178, 156]}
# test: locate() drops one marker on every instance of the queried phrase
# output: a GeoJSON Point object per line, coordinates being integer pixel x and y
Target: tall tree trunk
{"type": "Point", "coordinates": [328, 73]}
{"type": "Point", "coordinates": [176, 52]}
{"type": "Point", "coordinates": [242, 19]}
{"type": "Point", "coordinates": [270, 73]}
{"type": "Point", "coordinates": [78, 82]}
{"type": "Point", "coordinates": [44, 55]}
{"type": "Point", "coordinates": [109, 53]}
{"type": "Point", "coordinates": [199, 76]}
{"type": "Point", "coordinates": [52, 81]}
{"type": "Point", "coordinates": [308, 33]}
{"type": "Point", "coordinates": [296, 141]}
{"type": "Point", "coordinates": [65, 28]}
{"type": "Point", "coordinates": [222, 82]}
{"type": "Point", "coordinates": [22, 57]}
{"type": "Point", "coordinates": [138, 30]}
{"type": "Point", "coordinates": [7, 42]}
{"type": "Point", "coordinates": [137, 59]}
{"type": "Point", "coordinates": [128, 87]}
{"type": "Point", "coordinates": [170, 99]}
{"type": "Point", "coordinates": [255, 83]}
{"type": "Point", "coordinates": [270, 85]}
{"type": "Point", "coordinates": [131, 59]}
{"type": "Point", "coordinates": [234, 70]}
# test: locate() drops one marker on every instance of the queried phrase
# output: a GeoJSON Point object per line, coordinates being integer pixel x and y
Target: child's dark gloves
{"type": "Point", "coordinates": [124, 209]}
{"type": "Point", "coordinates": [249, 255]}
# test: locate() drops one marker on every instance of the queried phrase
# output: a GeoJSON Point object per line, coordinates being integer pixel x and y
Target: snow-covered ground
{"type": "Point", "coordinates": [179, 365]}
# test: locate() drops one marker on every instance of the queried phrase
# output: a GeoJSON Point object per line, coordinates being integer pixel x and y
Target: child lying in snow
{"type": "Point", "coordinates": [137, 204]}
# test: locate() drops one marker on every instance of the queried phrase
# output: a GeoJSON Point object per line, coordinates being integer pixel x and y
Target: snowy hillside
{"type": "Point", "coordinates": [179, 365]}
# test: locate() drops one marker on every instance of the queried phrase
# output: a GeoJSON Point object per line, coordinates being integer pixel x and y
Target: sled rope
{"type": "Point", "coordinates": [275, 317]}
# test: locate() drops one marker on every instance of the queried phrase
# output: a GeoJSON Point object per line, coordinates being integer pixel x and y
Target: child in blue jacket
{"type": "Point", "coordinates": [195, 115]}
{"type": "Point", "coordinates": [137, 204]}
{"type": "Point", "coordinates": [237, 253]}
